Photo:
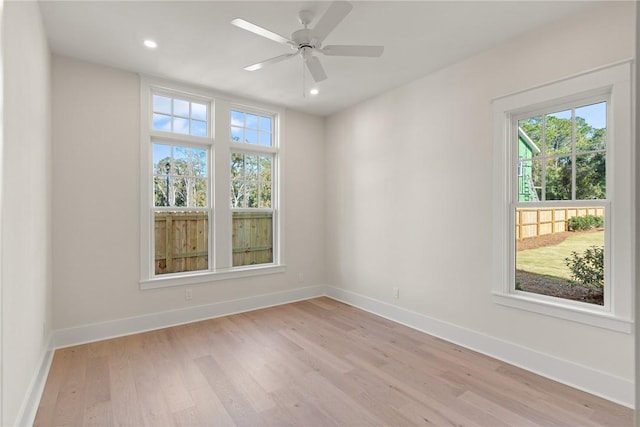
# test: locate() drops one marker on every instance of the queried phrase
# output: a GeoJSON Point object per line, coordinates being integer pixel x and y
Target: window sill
{"type": "Point", "coordinates": [586, 315]}
{"type": "Point", "coordinates": [192, 278]}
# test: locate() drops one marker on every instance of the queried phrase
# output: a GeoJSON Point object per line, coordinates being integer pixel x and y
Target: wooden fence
{"type": "Point", "coordinates": [252, 238]}
{"type": "Point", "coordinates": [182, 240]}
{"type": "Point", "coordinates": [539, 222]}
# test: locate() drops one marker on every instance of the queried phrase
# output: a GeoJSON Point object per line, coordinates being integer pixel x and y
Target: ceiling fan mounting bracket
{"type": "Point", "coordinates": [305, 17]}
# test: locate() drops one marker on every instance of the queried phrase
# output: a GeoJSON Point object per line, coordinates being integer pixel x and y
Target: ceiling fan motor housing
{"type": "Point", "coordinates": [302, 38]}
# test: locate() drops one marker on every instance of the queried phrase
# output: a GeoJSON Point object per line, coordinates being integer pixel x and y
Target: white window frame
{"type": "Point", "coordinates": [220, 147]}
{"type": "Point", "coordinates": [613, 82]}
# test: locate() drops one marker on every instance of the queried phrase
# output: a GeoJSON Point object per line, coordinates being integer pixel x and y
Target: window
{"type": "Point", "coordinates": [181, 208]}
{"type": "Point", "coordinates": [562, 191]}
{"type": "Point", "coordinates": [209, 181]}
{"type": "Point", "coordinates": [561, 202]}
{"type": "Point", "coordinates": [179, 116]}
{"type": "Point", "coordinates": [251, 128]}
{"type": "Point", "coordinates": [251, 166]}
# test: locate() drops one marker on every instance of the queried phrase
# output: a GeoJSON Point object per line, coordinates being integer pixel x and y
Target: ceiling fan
{"type": "Point", "coordinates": [306, 41]}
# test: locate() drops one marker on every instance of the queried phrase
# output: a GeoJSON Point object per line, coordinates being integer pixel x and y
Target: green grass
{"type": "Point", "coordinates": [549, 260]}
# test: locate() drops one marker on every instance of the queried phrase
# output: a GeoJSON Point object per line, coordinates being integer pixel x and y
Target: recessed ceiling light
{"type": "Point", "coordinates": [314, 91]}
{"type": "Point", "coordinates": [150, 44]}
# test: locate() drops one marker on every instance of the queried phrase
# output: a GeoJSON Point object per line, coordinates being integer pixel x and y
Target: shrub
{"type": "Point", "coordinates": [587, 269]}
{"type": "Point", "coordinates": [587, 222]}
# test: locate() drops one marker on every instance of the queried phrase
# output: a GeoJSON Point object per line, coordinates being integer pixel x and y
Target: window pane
{"type": "Point", "coordinates": [265, 123]}
{"type": "Point", "coordinates": [526, 185]}
{"type": "Point", "coordinates": [161, 156]}
{"type": "Point", "coordinates": [237, 118]}
{"type": "Point", "coordinates": [251, 194]}
{"type": "Point", "coordinates": [252, 238]}
{"type": "Point", "coordinates": [591, 176]}
{"type": "Point", "coordinates": [264, 195]}
{"type": "Point", "coordinates": [198, 128]}
{"type": "Point", "coordinates": [180, 125]}
{"type": "Point", "coordinates": [185, 183]}
{"type": "Point", "coordinates": [560, 252]}
{"type": "Point", "coordinates": [251, 136]}
{"type": "Point", "coordinates": [264, 139]}
{"type": "Point", "coordinates": [237, 166]}
{"type": "Point", "coordinates": [558, 132]}
{"type": "Point", "coordinates": [265, 168]}
{"type": "Point", "coordinates": [591, 127]}
{"type": "Point", "coordinates": [160, 194]}
{"type": "Point", "coordinates": [198, 111]}
{"type": "Point", "coordinates": [181, 241]}
{"type": "Point", "coordinates": [558, 179]}
{"type": "Point", "coordinates": [200, 192]}
{"type": "Point", "coordinates": [237, 134]}
{"type": "Point", "coordinates": [237, 194]}
{"type": "Point", "coordinates": [252, 121]}
{"type": "Point", "coordinates": [161, 104]}
{"type": "Point", "coordinates": [180, 108]}
{"type": "Point", "coordinates": [161, 122]}
{"type": "Point", "coordinates": [536, 177]}
{"type": "Point", "coordinates": [529, 137]}
{"type": "Point", "coordinates": [251, 167]}
{"type": "Point", "coordinates": [199, 162]}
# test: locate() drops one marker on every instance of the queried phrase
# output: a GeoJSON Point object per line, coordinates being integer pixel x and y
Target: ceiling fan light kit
{"type": "Point", "coordinates": [306, 41]}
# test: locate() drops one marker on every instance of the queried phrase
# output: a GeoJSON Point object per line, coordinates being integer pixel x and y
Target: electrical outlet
{"type": "Point", "coordinates": [396, 292]}
{"type": "Point", "coordinates": [188, 294]}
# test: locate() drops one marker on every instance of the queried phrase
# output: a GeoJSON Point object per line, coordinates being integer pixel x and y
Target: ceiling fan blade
{"type": "Point", "coordinates": [331, 18]}
{"type": "Point", "coordinates": [315, 68]}
{"type": "Point", "coordinates": [277, 59]}
{"type": "Point", "coordinates": [246, 25]}
{"type": "Point", "coordinates": [346, 50]}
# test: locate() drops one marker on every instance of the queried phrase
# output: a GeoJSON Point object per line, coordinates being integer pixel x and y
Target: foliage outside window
{"type": "Point", "coordinates": [561, 182]}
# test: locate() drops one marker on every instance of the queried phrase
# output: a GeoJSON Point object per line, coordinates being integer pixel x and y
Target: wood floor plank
{"type": "Point", "coordinates": [234, 402]}
{"type": "Point", "coordinates": [211, 409]}
{"type": "Point", "coordinates": [310, 363]}
{"type": "Point", "coordinates": [125, 402]}
{"type": "Point", "coordinates": [71, 397]}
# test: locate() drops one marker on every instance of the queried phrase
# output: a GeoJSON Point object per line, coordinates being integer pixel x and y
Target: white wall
{"type": "Point", "coordinates": [409, 185]}
{"type": "Point", "coordinates": [26, 201]}
{"type": "Point", "coordinates": [96, 204]}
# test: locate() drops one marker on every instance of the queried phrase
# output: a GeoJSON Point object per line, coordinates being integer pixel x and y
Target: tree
{"type": "Point", "coordinates": [187, 179]}
{"type": "Point", "coordinates": [250, 181]}
{"type": "Point", "coordinates": [590, 166]}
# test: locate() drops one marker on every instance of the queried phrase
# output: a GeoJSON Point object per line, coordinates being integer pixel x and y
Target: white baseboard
{"type": "Point", "coordinates": [27, 413]}
{"type": "Point", "coordinates": [132, 325]}
{"type": "Point", "coordinates": [598, 383]}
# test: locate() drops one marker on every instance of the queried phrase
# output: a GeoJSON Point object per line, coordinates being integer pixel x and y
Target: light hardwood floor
{"type": "Point", "coordinates": [313, 363]}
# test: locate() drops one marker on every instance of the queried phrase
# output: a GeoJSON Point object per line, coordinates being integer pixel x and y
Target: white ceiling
{"type": "Point", "coordinates": [197, 43]}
